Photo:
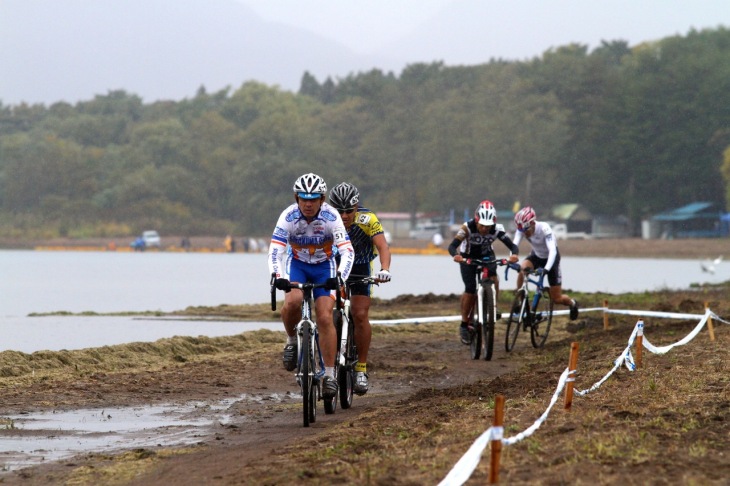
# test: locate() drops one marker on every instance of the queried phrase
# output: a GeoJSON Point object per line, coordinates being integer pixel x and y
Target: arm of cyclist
{"type": "Point", "coordinates": [278, 247]}
{"type": "Point", "coordinates": [456, 244]}
{"type": "Point", "coordinates": [384, 256]}
{"type": "Point", "coordinates": [346, 251]}
{"type": "Point", "coordinates": [514, 250]}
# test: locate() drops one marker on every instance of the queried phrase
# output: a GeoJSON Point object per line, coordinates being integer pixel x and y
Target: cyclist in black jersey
{"type": "Point", "coordinates": [474, 240]}
{"type": "Point", "coordinates": [368, 239]}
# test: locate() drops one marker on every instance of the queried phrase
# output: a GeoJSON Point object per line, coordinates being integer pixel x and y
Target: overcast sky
{"type": "Point", "coordinates": [72, 50]}
{"type": "Point", "coordinates": [510, 29]}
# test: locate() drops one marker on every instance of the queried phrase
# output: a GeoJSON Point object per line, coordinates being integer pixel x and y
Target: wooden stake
{"type": "Point", "coordinates": [709, 325]}
{"type": "Point", "coordinates": [573, 364]}
{"type": "Point", "coordinates": [496, 446]}
{"type": "Point", "coordinates": [639, 342]}
{"type": "Point", "coordinates": [605, 315]}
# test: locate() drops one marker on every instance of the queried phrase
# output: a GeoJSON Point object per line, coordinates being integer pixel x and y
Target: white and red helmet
{"type": "Point", "coordinates": [524, 217]}
{"type": "Point", "coordinates": [485, 213]}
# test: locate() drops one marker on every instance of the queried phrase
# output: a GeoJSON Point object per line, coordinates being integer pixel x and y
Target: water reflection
{"type": "Point", "coordinates": [56, 435]}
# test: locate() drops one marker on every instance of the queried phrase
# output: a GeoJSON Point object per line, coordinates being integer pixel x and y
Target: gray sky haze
{"type": "Point", "coordinates": [72, 50]}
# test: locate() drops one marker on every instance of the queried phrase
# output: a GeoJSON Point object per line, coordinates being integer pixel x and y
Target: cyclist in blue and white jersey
{"type": "Point", "coordinates": [544, 256]}
{"type": "Point", "coordinates": [302, 248]}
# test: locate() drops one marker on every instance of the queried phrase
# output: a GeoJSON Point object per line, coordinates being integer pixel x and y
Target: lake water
{"type": "Point", "coordinates": [104, 282]}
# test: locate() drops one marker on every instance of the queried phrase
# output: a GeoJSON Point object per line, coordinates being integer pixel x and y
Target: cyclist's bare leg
{"type": "Point", "coordinates": [363, 331]}
{"type": "Point", "coordinates": [558, 297]}
{"type": "Point", "coordinates": [327, 334]}
{"type": "Point", "coordinates": [521, 276]}
{"type": "Point", "coordinates": [292, 310]}
{"type": "Point", "coordinates": [467, 304]}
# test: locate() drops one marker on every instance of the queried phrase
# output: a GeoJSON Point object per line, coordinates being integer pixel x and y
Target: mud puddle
{"type": "Point", "coordinates": [28, 439]}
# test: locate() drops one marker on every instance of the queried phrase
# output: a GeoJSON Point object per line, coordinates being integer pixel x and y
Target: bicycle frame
{"type": "Point", "coordinates": [528, 310]}
{"type": "Point", "coordinates": [310, 362]}
{"type": "Point", "coordinates": [486, 303]}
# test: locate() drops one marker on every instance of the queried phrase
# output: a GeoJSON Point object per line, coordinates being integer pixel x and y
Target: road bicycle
{"type": "Point", "coordinates": [346, 348]}
{"type": "Point", "coordinates": [530, 309]}
{"type": "Point", "coordinates": [484, 313]}
{"type": "Point", "coordinates": [310, 363]}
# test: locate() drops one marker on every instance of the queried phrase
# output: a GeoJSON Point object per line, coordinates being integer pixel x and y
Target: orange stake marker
{"type": "Point", "coordinates": [497, 433]}
{"type": "Point", "coordinates": [605, 316]}
{"type": "Point", "coordinates": [709, 325]}
{"type": "Point", "coordinates": [639, 342]}
{"type": "Point", "coordinates": [573, 364]}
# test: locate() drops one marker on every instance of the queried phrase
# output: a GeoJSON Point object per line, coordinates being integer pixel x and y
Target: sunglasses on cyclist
{"type": "Point", "coordinates": [346, 211]}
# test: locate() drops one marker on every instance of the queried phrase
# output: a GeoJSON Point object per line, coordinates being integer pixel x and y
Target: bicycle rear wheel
{"type": "Point", "coordinates": [307, 372]}
{"type": "Point", "coordinates": [541, 320]}
{"type": "Point", "coordinates": [346, 373]}
{"type": "Point", "coordinates": [476, 334]}
{"type": "Point", "coordinates": [514, 322]}
{"type": "Point", "coordinates": [489, 307]}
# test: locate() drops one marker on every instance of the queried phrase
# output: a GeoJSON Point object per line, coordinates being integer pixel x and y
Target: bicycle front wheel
{"type": "Point", "coordinates": [488, 309]}
{"type": "Point", "coordinates": [514, 322]}
{"type": "Point", "coordinates": [476, 334]}
{"type": "Point", "coordinates": [309, 389]}
{"type": "Point", "coordinates": [542, 318]}
{"type": "Point", "coordinates": [346, 373]}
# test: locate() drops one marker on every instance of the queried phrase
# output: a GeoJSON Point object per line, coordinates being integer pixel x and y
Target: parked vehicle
{"type": "Point", "coordinates": [151, 238]}
{"type": "Point", "coordinates": [148, 239]}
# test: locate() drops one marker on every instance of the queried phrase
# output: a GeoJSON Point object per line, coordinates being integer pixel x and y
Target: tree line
{"type": "Point", "coordinates": [624, 131]}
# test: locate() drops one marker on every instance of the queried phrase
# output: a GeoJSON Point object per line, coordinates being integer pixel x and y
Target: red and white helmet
{"type": "Point", "coordinates": [485, 213]}
{"type": "Point", "coordinates": [524, 217]}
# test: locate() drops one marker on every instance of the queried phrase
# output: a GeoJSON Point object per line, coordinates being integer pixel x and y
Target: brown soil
{"type": "Point", "coordinates": [668, 423]}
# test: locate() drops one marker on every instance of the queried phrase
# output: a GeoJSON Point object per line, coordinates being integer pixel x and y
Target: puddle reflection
{"type": "Point", "coordinates": [32, 438]}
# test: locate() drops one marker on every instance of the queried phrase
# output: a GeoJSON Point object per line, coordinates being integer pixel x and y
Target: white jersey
{"type": "Point", "coordinates": [310, 241]}
{"type": "Point", "coordinates": [543, 243]}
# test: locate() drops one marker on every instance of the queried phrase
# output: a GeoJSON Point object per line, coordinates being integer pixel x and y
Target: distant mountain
{"type": "Point", "coordinates": [72, 50]}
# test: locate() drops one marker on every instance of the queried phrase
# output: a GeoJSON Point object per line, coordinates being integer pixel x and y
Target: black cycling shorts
{"type": "Point", "coordinates": [359, 271]}
{"type": "Point", "coordinates": [469, 276]}
{"type": "Point", "coordinates": [555, 276]}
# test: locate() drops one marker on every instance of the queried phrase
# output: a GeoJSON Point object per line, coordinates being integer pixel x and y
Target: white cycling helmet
{"type": "Point", "coordinates": [485, 214]}
{"type": "Point", "coordinates": [310, 186]}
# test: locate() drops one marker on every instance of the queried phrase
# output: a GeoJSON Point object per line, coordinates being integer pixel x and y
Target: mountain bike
{"type": "Point", "coordinates": [310, 363]}
{"type": "Point", "coordinates": [530, 309]}
{"type": "Point", "coordinates": [484, 313]}
{"type": "Point", "coordinates": [346, 347]}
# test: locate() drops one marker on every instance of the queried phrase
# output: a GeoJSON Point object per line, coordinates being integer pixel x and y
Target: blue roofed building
{"type": "Point", "coordinates": [695, 220]}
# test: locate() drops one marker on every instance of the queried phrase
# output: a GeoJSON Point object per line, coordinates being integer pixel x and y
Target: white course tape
{"type": "Point", "coordinates": [616, 364]}
{"type": "Point", "coordinates": [684, 340]}
{"type": "Point", "coordinates": [463, 469]}
{"type": "Point", "coordinates": [531, 429]}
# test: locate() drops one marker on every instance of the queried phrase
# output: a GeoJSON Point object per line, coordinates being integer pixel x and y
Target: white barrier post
{"type": "Point", "coordinates": [496, 445]}
{"type": "Point", "coordinates": [572, 365]}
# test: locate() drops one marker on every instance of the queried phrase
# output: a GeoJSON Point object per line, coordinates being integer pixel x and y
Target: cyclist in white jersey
{"type": "Point", "coordinates": [544, 256]}
{"type": "Point", "coordinates": [302, 249]}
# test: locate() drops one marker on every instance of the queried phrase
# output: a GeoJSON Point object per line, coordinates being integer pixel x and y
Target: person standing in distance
{"type": "Point", "coordinates": [544, 256]}
{"type": "Point", "coordinates": [310, 229]}
{"type": "Point", "coordinates": [368, 239]}
{"type": "Point", "coordinates": [475, 239]}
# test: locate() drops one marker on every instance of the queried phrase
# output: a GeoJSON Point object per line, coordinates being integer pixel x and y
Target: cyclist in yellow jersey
{"type": "Point", "coordinates": [368, 239]}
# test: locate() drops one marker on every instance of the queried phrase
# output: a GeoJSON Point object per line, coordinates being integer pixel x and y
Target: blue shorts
{"type": "Point", "coordinates": [313, 273]}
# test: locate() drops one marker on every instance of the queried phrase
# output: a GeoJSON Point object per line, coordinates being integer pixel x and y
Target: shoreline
{"type": "Point", "coordinates": [698, 248]}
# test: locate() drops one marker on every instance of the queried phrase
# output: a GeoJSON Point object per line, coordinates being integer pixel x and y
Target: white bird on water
{"type": "Point", "coordinates": [709, 266]}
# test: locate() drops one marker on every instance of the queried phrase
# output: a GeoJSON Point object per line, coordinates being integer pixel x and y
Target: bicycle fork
{"type": "Point", "coordinates": [345, 325]}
